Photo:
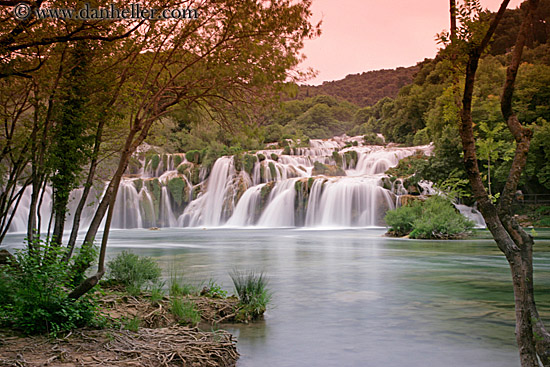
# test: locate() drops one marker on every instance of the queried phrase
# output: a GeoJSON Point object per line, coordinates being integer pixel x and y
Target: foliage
{"type": "Point", "coordinates": [184, 311]}
{"type": "Point", "coordinates": [133, 271]}
{"type": "Point", "coordinates": [363, 89]}
{"type": "Point", "coordinates": [318, 117]}
{"type": "Point", "coordinates": [86, 99]}
{"type": "Point", "coordinates": [401, 220]}
{"type": "Point", "coordinates": [251, 288]}
{"type": "Point", "coordinates": [412, 167]}
{"type": "Point", "coordinates": [440, 220]}
{"type": "Point", "coordinates": [435, 218]}
{"type": "Point", "coordinates": [33, 293]}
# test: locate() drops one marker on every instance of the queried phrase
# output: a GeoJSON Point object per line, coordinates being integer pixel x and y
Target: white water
{"type": "Point", "coordinates": [280, 191]}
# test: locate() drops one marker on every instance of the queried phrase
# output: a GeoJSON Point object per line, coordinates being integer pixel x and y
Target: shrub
{"type": "Point", "coordinates": [435, 218]}
{"type": "Point", "coordinates": [133, 271]}
{"type": "Point", "coordinates": [185, 311]}
{"type": "Point", "coordinates": [372, 139]}
{"type": "Point", "coordinates": [34, 289]}
{"type": "Point", "coordinates": [401, 219]}
{"type": "Point", "coordinates": [251, 288]}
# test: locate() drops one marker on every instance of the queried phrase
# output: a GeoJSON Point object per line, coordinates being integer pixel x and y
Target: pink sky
{"type": "Point", "coordinates": [364, 35]}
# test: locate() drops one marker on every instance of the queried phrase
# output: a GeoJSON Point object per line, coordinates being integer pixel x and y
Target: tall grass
{"type": "Point", "coordinates": [179, 287]}
{"type": "Point", "coordinates": [184, 311]}
{"type": "Point", "coordinates": [251, 288]}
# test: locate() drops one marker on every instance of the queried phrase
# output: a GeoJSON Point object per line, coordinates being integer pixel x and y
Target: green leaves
{"type": "Point", "coordinates": [435, 218]}
{"type": "Point", "coordinates": [33, 292]}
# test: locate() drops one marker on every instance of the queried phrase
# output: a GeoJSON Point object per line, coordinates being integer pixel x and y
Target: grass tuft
{"type": "Point", "coordinates": [185, 311]}
{"type": "Point", "coordinates": [251, 288]}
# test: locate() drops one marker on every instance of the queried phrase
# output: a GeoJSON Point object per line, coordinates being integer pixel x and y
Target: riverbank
{"type": "Point", "coordinates": [142, 333]}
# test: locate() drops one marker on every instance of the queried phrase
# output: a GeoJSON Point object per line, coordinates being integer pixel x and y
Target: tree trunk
{"type": "Point", "coordinates": [452, 8]}
{"type": "Point", "coordinates": [108, 202]}
{"type": "Point", "coordinates": [511, 239]}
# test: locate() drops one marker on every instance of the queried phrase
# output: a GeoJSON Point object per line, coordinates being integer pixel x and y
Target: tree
{"type": "Point", "coordinates": [517, 245]}
{"type": "Point", "coordinates": [235, 57]}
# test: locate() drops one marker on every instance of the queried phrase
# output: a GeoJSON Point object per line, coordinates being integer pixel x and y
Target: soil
{"type": "Point", "coordinates": [159, 341]}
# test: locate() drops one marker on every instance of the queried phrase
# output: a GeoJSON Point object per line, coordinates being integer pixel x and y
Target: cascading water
{"type": "Point", "coordinates": [330, 183]}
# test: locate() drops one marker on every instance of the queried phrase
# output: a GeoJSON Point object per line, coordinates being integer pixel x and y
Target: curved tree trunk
{"type": "Point", "coordinates": [512, 240]}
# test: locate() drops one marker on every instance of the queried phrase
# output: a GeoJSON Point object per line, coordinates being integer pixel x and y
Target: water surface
{"type": "Point", "coordinates": [354, 297]}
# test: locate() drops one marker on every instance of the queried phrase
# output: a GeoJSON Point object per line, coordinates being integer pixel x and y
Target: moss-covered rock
{"type": "Point", "coordinates": [337, 158]}
{"type": "Point", "coordinates": [177, 160]}
{"type": "Point", "coordinates": [138, 184]}
{"type": "Point", "coordinates": [134, 165]}
{"type": "Point", "coordinates": [262, 174]}
{"type": "Point", "coordinates": [287, 150]}
{"type": "Point", "coordinates": [272, 170]}
{"type": "Point", "coordinates": [350, 158]}
{"type": "Point", "coordinates": [327, 170]}
{"type": "Point", "coordinates": [155, 161]}
{"type": "Point", "coordinates": [176, 187]}
{"type": "Point", "coordinates": [238, 162]}
{"type": "Point", "coordinates": [274, 157]}
{"type": "Point", "coordinates": [195, 175]}
{"type": "Point", "coordinates": [248, 163]}
{"type": "Point", "coordinates": [261, 157]}
{"type": "Point", "coordinates": [196, 191]}
{"type": "Point", "coordinates": [155, 188]}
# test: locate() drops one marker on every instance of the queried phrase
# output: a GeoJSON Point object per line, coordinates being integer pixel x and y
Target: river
{"type": "Point", "coordinates": [353, 297]}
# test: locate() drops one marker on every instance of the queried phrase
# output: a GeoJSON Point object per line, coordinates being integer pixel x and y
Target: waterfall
{"type": "Point", "coordinates": [126, 213]}
{"type": "Point", "coordinates": [335, 182]}
{"type": "Point", "coordinates": [280, 210]}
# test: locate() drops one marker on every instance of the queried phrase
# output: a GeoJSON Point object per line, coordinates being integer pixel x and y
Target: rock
{"type": "Point", "coordinates": [327, 170]}
{"type": "Point", "coordinates": [409, 199]}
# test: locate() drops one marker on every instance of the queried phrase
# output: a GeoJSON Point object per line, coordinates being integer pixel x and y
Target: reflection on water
{"type": "Point", "coordinates": [355, 298]}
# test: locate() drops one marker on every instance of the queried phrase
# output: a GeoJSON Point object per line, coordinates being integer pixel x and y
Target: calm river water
{"type": "Point", "coordinates": [354, 297]}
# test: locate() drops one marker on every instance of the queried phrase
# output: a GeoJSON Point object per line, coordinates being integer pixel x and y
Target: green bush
{"type": "Point", "coordinates": [34, 290]}
{"type": "Point", "coordinates": [372, 139]}
{"type": "Point", "coordinates": [435, 218]}
{"type": "Point", "coordinates": [251, 288]}
{"type": "Point", "coordinates": [400, 220]}
{"type": "Point", "coordinates": [133, 271]}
